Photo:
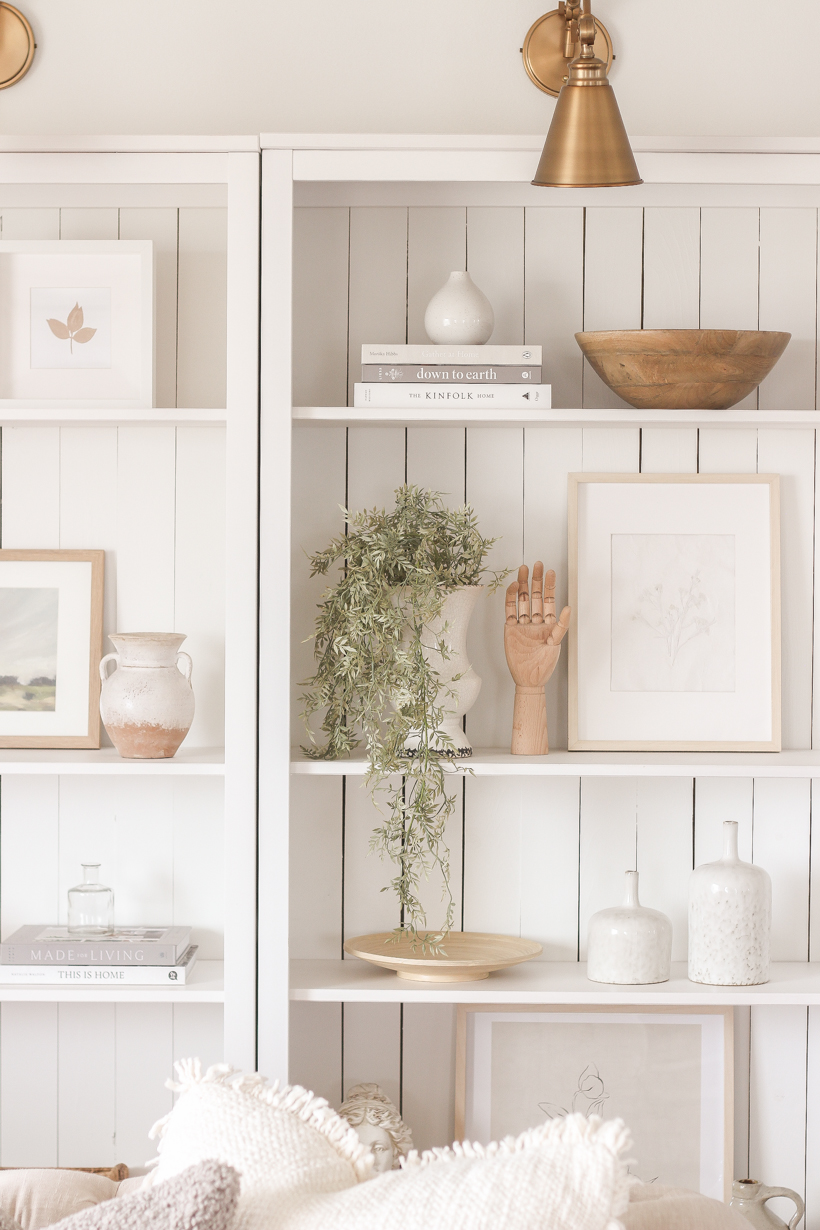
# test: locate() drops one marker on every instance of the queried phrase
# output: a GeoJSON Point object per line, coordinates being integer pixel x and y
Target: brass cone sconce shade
{"type": "Point", "coordinates": [587, 145]}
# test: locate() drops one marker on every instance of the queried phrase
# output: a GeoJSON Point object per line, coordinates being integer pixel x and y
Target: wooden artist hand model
{"type": "Point", "coordinates": [532, 643]}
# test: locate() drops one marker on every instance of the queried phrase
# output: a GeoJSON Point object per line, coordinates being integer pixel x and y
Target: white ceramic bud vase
{"type": "Point", "coordinates": [455, 613]}
{"type": "Point", "coordinates": [459, 314]}
{"type": "Point", "coordinates": [730, 914]}
{"type": "Point", "coordinates": [629, 943]}
{"type": "Point", "coordinates": [147, 703]}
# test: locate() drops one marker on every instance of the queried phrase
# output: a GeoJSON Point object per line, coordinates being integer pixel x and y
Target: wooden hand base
{"type": "Point", "coordinates": [529, 731]}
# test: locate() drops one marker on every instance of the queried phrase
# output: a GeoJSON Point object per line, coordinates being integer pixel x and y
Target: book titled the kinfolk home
{"type": "Point", "coordinates": [126, 946]}
{"type": "Point", "coordinates": [440, 396]}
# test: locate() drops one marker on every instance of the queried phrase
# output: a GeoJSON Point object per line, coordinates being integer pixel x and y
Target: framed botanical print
{"type": "Point", "coordinates": [51, 613]}
{"type": "Point", "coordinates": [667, 1072]}
{"type": "Point", "coordinates": [674, 584]}
{"type": "Point", "coordinates": [77, 323]}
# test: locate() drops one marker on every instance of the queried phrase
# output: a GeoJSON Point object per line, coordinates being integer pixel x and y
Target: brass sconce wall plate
{"type": "Point", "coordinates": [544, 50]}
{"type": "Point", "coordinates": [16, 45]}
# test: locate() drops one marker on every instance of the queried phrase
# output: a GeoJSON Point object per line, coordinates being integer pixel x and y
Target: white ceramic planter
{"type": "Point", "coordinates": [147, 703]}
{"type": "Point", "coordinates": [629, 943]}
{"type": "Point", "coordinates": [730, 912]}
{"type": "Point", "coordinates": [456, 611]}
{"type": "Point", "coordinates": [459, 314]}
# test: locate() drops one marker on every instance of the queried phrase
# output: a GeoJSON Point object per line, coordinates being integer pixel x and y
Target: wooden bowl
{"type": "Point", "coordinates": [467, 956]}
{"type": "Point", "coordinates": [682, 369]}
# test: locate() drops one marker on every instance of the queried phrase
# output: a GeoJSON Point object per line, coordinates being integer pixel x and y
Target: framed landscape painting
{"type": "Point", "coordinates": [51, 608]}
{"type": "Point", "coordinates": [674, 584]}
{"type": "Point", "coordinates": [666, 1072]}
{"type": "Point", "coordinates": [77, 323]}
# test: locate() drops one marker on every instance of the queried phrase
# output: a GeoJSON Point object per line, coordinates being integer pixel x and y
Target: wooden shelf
{"type": "Point", "coordinates": [347, 416]}
{"type": "Point", "coordinates": [205, 986]}
{"type": "Point", "coordinates": [541, 982]}
{"type": "Point", "coordinates": [12, 415]}
{"type": "Point", "coordinates": [496, 762]}
{"type": "Point", "coordinates": [106, 761]}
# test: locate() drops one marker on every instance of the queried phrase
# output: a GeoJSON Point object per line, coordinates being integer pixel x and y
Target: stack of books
{"type": "Point", "coordinates": [503, 377]}
{"type": "Point", "coordinates": [132, 956]}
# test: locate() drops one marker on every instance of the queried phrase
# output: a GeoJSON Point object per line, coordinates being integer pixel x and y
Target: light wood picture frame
{"type": "Point", "coordinates": [674, 585]}
{"type": "Point", "coordinates": [51, 627]}
{"type": "Point", "coordinates": [520, 1065]}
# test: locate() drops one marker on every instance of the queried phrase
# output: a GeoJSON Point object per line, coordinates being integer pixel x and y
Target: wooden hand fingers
{"type": "Point", "coordinates": [549, 597]}
{"type": "Point", "coordinates": [523, 595]}
{"type": "Point", "coordinates": [537, 595]}
{"type": "Point", "coordinates": [559, 630]}
{"type": "Point", "coordinates": [509, 605]}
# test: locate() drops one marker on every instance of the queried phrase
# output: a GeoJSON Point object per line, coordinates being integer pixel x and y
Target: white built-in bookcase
{"type": "Point", "coordinates": [357, 234]}
{"type": "Point", "coordinates": [170, 494]}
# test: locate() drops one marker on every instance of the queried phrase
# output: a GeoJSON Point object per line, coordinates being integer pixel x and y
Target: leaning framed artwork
{"type": "Point", "coordinates": [674, 584]}
{"type": "Point", "coordinates": [77, 323]}
{"type": "Point", "coordinates": [667, 1072]}
{"type": "Point", "coordinates": [51, 612]}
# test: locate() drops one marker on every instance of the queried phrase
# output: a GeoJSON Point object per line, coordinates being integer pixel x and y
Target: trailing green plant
{"type": "Point", "coordinates": [376, 683]}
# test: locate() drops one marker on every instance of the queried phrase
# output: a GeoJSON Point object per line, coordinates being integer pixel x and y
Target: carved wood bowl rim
{"type": "Point", "coordinates": [682, 369]}
{"type": "Point", "coordinates": [469, 955]}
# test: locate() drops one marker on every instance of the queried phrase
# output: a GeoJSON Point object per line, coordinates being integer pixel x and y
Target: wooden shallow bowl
{"type": "Point", "coordinates": [682, 369]}
{"type": "Point", "coordinates": [467, 956]}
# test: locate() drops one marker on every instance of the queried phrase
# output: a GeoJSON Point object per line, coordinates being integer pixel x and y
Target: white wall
{"type": "Point", "coordinates": [202, 66]}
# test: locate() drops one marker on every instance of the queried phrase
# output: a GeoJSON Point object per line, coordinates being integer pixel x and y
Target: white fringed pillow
{"type": "Point", "coordinates": [302, 1166]}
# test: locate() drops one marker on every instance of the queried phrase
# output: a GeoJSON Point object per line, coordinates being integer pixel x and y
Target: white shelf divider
{"type": "Point", "coordinates": [106, 761]}
{"type": "Point", "coordinates": [205, 986]}
{"type": "Point", "coordinates": [489, 416]}
{"type": "Point", "coordinates": [497, 762]}
{"type": "Point", "coordinates": [542, 982]}
{"type": "Point", "coordinates": [12, 415]}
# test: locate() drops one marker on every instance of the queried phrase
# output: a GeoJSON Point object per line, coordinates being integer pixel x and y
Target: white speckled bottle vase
{"type": "Point", "coordinates": [730, 915]}
{"type": "Point", "coordinates": [629, 943]}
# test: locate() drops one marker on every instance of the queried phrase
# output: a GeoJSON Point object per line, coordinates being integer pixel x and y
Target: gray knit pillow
{"type": "Point", "coordinates": [203, 1197]}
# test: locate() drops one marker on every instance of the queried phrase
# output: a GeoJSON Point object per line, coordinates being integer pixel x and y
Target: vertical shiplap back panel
{"type": "Point", "coordinates": [87, 1115]}
{"type": "Point", "coordinates": [548, 852]}
{"type": "Point", "coordinates": [31, 488]}
{"type": "Point", "coordinates": [781, 840]}
{"type": "Point", "coordinates": [202, 307]}
{"type": "Point", "coordinates": [145, 1052]}
{"type": "Point", "coordinates": [495, 259]}
{"type": "Point", "coordinates": [436, 247]}
{"type": "Point", "coordinates": [492, 857]}
{"type": "Point", "coordinates": [29, 1041]}
{"type": "Point", "coordinates": [378, 282]}
{"type": "Point", "coordinates": [550, 454]}
{"type": "Point", "coordinates": [320, 254]}
{"type": "Point", "coordinates": [612, 284]}
{"type": "Point", "coordinates": [671, 274]}
{"type": "Point", "coordinates": [30, 223]}
{"type": "Point", "coordinates": [199, 573]}
{"type": "Point", "coordinates": [372, 1050]}
{"type": "Point", "coordinates": [161, 227]}
{"type": "Point", "coordinates": [428, 1073]}
{"type": "Point", "coordinates": [788, 301]}
{"type": "Point", "coordinates": [315, 899]}
{"type": "Point", "coordinates": [665, 822]}
{"type": "Point", "coordinates": [777, 1129]}
{"type": "Point", "coordinates": [608, 847]}
{"type": "Point", "coordinates": [730, 240]}
{"type": "Point", "coordinates": [198, 805]}
{"type": "Point", "coordinates": [791, 455]}
{"type": "Point", "coordinates": [718, 799]}
{"type": "Point", "coordinates": [146, 481]}
{"type": "Point", "coordinates": [29, 845]}
{"type": "Point", "coordinates": [88, 222]}
{"type": "Point", "coordinates": [554, 297]}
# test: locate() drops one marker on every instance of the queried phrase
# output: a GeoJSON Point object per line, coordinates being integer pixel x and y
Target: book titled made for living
{"type": "Point", "coordinates": [102, 975]}
{"type": "Point", "coordinates": [126, 946]}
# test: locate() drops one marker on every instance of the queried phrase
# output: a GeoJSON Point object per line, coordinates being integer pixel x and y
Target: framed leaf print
{"type": "Point", "coordinates": [674, 584]}
{"type": "Point", "coordinates": [77, 323]}
{"type": "Point", "coordinates": [51, 614]}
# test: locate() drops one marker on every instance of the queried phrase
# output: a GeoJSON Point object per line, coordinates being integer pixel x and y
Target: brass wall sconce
{"type": "Point", "coordinates": [568, 53]}
{"type": "Point", "coordinates": [17, 45]}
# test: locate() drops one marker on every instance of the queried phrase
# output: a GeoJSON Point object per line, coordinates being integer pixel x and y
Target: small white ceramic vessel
{"type": "Point", "coordinates": [147, 703]}
{"type": "Point", "coordinates": [455, 613]}
{"type": "Point", "coordinates": [730, 915]}
{"type": "Point", "coordinates": [459, 314]}
{"type": "Point", "coordinates": [629, 943]}
{"type": "Point", "coordinates": [749, 1198]}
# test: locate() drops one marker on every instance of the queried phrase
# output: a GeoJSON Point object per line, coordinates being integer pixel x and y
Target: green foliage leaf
{"type": "Point", "coordinates": [374, 683]}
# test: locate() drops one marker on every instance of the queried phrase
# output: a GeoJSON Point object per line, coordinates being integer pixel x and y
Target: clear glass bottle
{"type": "Point", "coordinates": [90, 904]}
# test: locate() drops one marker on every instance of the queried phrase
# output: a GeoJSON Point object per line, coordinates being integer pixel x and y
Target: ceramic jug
{"type": "Point", "coordinates": [147, 703]}
{"type": "Point", "coordinates": [749, 1198]}
{"type": "Point", "coordinates": [629, 943]}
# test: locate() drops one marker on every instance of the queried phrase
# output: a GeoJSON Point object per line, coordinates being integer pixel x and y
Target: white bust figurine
{"type": "Point", "coordinates": [378, 1125]}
